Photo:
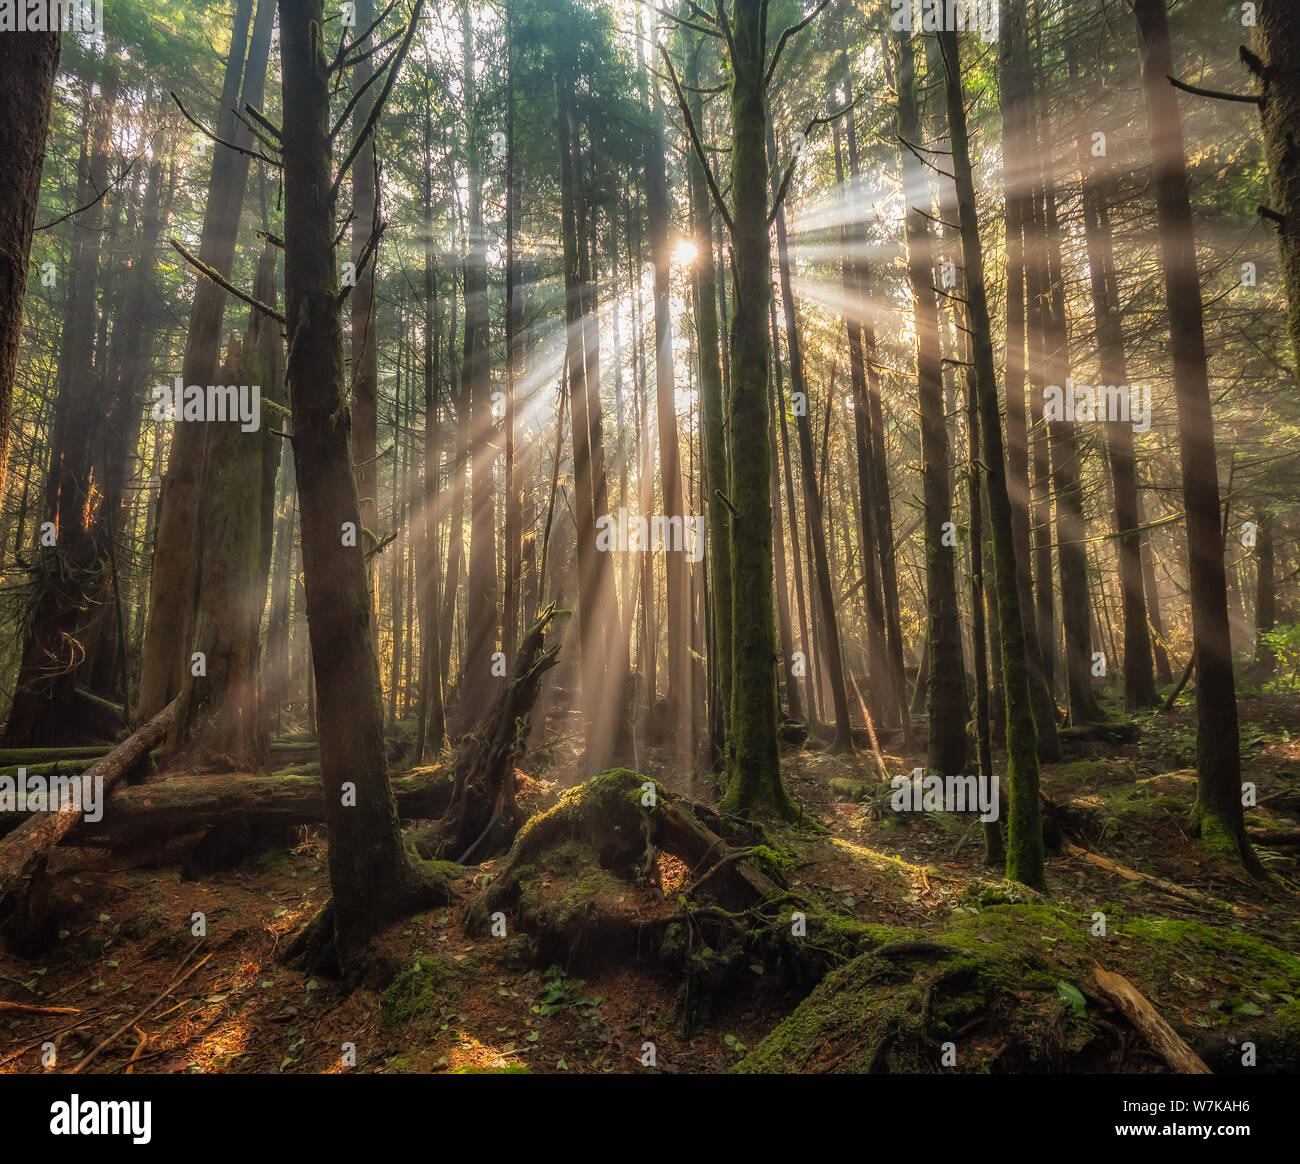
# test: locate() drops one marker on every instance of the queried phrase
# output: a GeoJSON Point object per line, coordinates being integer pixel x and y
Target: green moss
{"type": "Point", "coordinates": [846, 788]}
{"type": "Point", "coordinates": [508, 1069]}
{"type": "Point", "coordinates": [421, 992]}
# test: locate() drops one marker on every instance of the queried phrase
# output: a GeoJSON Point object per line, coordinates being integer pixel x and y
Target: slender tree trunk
{"type": "Point", "coordinates": [1218, 758]}
{"type": "Point", "coordinates": [713, 407]}
{"type": "Point", "coordinates": [482, 623]}
{"type": "Point", "coordinates": [1024, 825]}
{"type": "Point", "coordinates": [372, 878]}
{"type": "Point", "coordinates": [1139, 677]}
{"type": "Point", "coordinates": [946, 699]}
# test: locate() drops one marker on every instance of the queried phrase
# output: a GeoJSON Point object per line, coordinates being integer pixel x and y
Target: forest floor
{"type": "Point", "coordinates": [1216, 953]}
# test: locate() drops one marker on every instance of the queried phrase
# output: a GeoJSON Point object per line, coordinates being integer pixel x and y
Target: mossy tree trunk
{"type": "Point", "coordinates": [28, 62]}
{"type": "Point", "coordinates": [1278, 41]}
{"type": "Point", "coordinates": [754, 769]}
{"type": "Point", "coordinates": [69, 572]}
{"type": "Point", "coordinates": [1024, 825]}
{"type": "Point", "coordinates": [1218, 757]}
{"type": "Point", "coordinates": [220, 723]}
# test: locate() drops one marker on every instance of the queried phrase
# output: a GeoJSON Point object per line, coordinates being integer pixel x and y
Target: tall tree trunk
{"type": "Point", "coordinates": [880, 671]}
{"type": "Point", "coordinates": [1024, 824]}
{"type": "Point", "coordinates": [173, 582]}
{"type": "Point", "coordinates": [754, 774]}
{"type": "Point", "coordinates": [713, 408]}
{"type": "Point", "coordinates": [482, 622]}
{"type": "Point", "coordinates": [670, 472]}
{"type": "Point", "coordinates": [827, 598]}
{"type": "Point", "coordinates": [946, 699]}
{"type": "Point", "coordinates": [1218, 758]}
{"type": "Point", "coordinates": [69, 570]}
{"type": "Point", "coordinates": [373, 881]}
{"type": "Point", "coordinates": [1278, 40]}
{"type": "Point", "coordinates": [365, 334]}
{"type": "Point", "coordinates": [28, 62]}
{"type": "Point", "coordinates": [1139, 677]}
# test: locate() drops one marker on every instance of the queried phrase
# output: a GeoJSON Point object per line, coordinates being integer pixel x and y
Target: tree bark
{"type": "Point", "coordinates": [28, 62]}
{"type": "Point", "coordinates": [1218, 758]}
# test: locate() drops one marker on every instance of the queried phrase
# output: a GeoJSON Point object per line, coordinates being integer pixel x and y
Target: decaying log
{"type": "Point", "coordinates": [27, 845]}
{"type": "Point", "coordinates": [153, 812]}
{"type": "Point", "coordinates": [1160, 1036]}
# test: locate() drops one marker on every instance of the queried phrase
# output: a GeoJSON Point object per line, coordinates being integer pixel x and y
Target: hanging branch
{"type": "Point", "coordinates": [695, 142]}
{"type": "Point", "coordinates": [792, 31]}
{"type": "Point", "coordinates": [221, 281]}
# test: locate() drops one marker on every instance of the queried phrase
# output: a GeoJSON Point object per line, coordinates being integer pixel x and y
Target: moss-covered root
{"type": "Point", "coordinates": [610, 831]}
{"type": "Point", "coordinates": [315, 947]}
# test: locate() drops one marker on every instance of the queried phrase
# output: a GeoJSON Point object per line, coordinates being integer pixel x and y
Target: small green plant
{"type": "Point", "coordinates": [558, 991]}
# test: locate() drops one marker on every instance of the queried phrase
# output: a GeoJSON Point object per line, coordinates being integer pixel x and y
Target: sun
{"type": "Point", "coordinates": [685, 253]}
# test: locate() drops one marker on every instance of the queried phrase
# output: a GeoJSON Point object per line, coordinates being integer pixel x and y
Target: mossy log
{"type": "Point", "coordinates": [152, 813]}
{"type": "Point", "coordinates": [23, 849]}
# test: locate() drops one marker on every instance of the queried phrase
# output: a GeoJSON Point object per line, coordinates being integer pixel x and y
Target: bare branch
{"type": "Point", "coordinates": [702, 29]}
{"type": "Point", "coordinates": [82, 209]}
{"type": "Point", "coordinates": [784, 38]}
{"type": "Point", "coordinates": [221, 281]}
{"type": "Point", "coordinates": [345, 47]}
{"type": "Point", "coordinates": [1244, 98]}
{"type": "Point", "coordinates": [368, 128]}
{"type": "Point", "coordinates": [220, 140]}
{"type": "Point", "coordinates": [695, 142]}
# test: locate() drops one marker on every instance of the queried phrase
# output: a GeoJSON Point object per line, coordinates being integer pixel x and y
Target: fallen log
{"type": "Point", "coordinates": [1146, 1020]}
{"type": "Point", "coordinates": [24, 848]}
{"type": "Point", "coordinates": [154, 812]}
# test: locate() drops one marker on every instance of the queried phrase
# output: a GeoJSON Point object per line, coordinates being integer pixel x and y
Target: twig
{"type": "Point", "coordinates": [175, 982]}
